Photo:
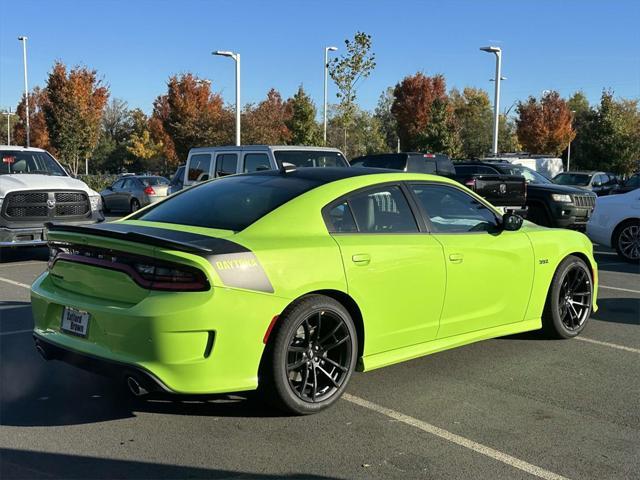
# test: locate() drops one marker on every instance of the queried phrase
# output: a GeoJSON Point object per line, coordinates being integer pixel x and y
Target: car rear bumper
{"type": "Point", "coordinates": [185, 342]}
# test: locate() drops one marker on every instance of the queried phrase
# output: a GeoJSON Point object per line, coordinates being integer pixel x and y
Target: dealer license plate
{"type": "Point", "coordinates": [75, 322]}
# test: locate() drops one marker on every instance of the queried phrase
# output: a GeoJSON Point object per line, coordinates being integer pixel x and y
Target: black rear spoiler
{"type": "Point", "coordinates": [160, 237]}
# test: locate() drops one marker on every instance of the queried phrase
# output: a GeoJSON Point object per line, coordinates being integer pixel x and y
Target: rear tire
{"type": "Point", "coordinates": [105, 209]}
{"type": "Point", "coordinates": [135, 205]}
{"type": "Point", "coordinates": [310, 357]}
{"type": "Point", "coordinates": [569, 301]}
{"type": "Point", "coordinates": [626, 241]}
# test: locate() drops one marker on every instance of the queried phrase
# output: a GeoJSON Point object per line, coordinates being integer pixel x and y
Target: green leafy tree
{"type": "Point", "coordinates": [387, 121]}
{"type": "Point", "coordinates": [507, 135]}
{"type": "Point", "coordinates": [73, 112]}
{"type": "Point", "coordinates": [365, 135]}
{"type": "Point", "coordinates": [609, 138]}
{"type": "Point", "coordinates": [301, 119]}
{"type": "Point", "coordinates": [472, 111]}
{"type": "Point", "coordinates": [441, 133]}
{"type": "Point", "coordinates": [346, 71]}
{"type": "Point", "coordinates": [110, 154]}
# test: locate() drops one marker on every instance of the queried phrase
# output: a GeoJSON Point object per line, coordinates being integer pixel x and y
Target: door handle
{"type": "Point", "coordinates": [361, 259]}
{"type": "Point", "coordinates": [456, 257]}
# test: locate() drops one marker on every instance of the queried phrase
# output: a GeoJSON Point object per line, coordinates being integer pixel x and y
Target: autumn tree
{"type": "Point", "coordinates": [158, 134]}
{"type": "Point", "coordinates": [73, 112]}
{"type": "Point", "coordinates": [12, 121]}
{"type": "Point", "coordinates": [38, 131]}
{"type": "Point", "coordinates": [301, 119]}
{"type": "Point", "coordinates": [347, 71]}
{"type": "Point", "coordinates": [544, 126]}
{"type": "Point", "coordinates": [191, 115]}
{"type": "Point", "coordinates": [387, 121]}
{"type": "Point", "coordinates": [609, 136]}
{"type": "Point", "coordinates": [472, 111]}
{"type": "Point", "coordinates": [266, 123]}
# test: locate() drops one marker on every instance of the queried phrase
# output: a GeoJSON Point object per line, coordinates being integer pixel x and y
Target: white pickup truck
{"type": "Point", "coordinates": [34, 190]}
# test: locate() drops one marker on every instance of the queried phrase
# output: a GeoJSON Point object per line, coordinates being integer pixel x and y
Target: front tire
{"type": "Point", "coordinates": [105, 209]}
{"type": "Point", "coordinates": [626, 241]}
{"type": "Point", "coordinates": [569, 300]}
{"type": "Point", "coordinates": [311, 357]}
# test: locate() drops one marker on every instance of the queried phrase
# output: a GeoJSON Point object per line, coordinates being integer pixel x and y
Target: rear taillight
{"type": "Point", "coordinates": [172, 277]}
{"type": "Point", "coordinates": [471, 183]}
{"type": "Point", "coordinates": [149, 190]}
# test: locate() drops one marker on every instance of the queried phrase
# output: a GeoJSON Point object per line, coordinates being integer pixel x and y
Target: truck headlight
{"type": "Point", "coordinates": [96, 203]}
{"type": "Point", "coordinates": [561, 197]}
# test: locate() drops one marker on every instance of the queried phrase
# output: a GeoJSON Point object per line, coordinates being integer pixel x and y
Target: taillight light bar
{"type": "Point", "coordinates": [147, 272]}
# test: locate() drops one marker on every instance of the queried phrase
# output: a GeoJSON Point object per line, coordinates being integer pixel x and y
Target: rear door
{"type": "Point", "coordinates": [395, 272]}
{"type": "Point", "coordinates": [226, 164]}
{"type": "Point", "coordinates": [255, 162]}
{"type": "Point", "coordinates": [489, 271]}
{"type": "Point", "coordinates": [198, 168]}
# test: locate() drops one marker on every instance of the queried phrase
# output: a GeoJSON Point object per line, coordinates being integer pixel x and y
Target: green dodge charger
{"type": "Point", "coordinates": [288, 281]}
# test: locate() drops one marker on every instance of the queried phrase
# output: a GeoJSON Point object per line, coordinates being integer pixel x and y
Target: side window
{"type": "Point", "coordinates": [430, 165]}
{"type": "Point", "coordinates": [128, 184]}
{"type": "Point", "coordinates": [600, 180]}
{"type": "Point", "coordinates": [634, 181]}
{"type": "Point", "coordinates": [340, 219]}
{"type": "Point", "coordinates": [199, 166]}
{"type": "Point", "coordinates": [486, 170]}
{"type": "Point", "coordinates": [382, 210]}
{"type": "Point", "coordinates": [453, 211]}
{"type": "Point", "coordinates": [465, 170]}
{"type": "Point", "coordinates": [255, 162]}
{"type": "Point", "coordinates": [118, 184]}
{"type": "Point", "coordinates": [226, 164]}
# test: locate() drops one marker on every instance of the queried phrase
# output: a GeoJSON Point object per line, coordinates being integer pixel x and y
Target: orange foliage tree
{"type": "Point", "coordinates": [544, 126]}
{"type": "Point", "coordinates": [38, 131]}
{"type": "Point", "coordinates": [267, 122]}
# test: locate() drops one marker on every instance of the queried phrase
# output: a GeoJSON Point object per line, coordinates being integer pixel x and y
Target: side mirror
{"type": "Point", "coordinates": [511, 222]}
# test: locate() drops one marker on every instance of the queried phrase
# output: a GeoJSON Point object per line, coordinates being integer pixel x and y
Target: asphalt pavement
{"type": "Point", "coordinates": [513, 407]}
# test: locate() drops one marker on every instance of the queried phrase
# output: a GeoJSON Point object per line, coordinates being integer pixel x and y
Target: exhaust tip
{"type": "Point", "coordinates": [43, 353]}
{"type": "Point", "coordinates": [135, 388]}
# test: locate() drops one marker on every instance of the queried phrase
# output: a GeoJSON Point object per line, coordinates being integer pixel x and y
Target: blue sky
{"type": "Point", "coordinates": [137, 45]}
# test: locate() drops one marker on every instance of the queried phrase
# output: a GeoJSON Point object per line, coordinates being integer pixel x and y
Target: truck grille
{"type": "Point", "coordinates": [46, 206]}
{"type": "Point", "coordinates": [584, 200]}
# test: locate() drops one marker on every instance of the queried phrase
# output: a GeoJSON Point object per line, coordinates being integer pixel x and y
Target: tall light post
{"type": "Point", "coordinates": [496, 101]}
{"type": "Point", "coordinates": [23, 39]}
{"type": "Point", "coordinates": [236, 58]}
{"type": "Point", "coordinates": [8, 113]}
{"type": "Point", "coordinates": [326, 75]}
{"type": "Point", "coordinates": [573, 112]}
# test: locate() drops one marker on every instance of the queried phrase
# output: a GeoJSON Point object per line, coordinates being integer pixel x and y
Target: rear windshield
{"type": "Point", "coordinates": [310, 158]}
{"type": "Point", "coordinates": [577, 179]}
{"type": "Point", "coordinates": [151, 181]}
{"type": "Point", "coordinates": [228, 203]}
{"type": "Point", "coordinates": [394, 162]}
{"type": "Point", "coordinates": [18, 162]}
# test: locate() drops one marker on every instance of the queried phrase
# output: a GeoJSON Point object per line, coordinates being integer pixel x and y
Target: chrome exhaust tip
{"type": "Point", "coordinates": [135, 388]}
{"type": "Point", "coordinates": [43, 353]}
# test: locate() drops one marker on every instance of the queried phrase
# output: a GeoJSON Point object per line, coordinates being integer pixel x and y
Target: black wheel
{"type": "Point", "coordinates": [135, 205]}
{"type": "Point", "coordinates": [311, 357]}
{"type": "Point", "coordinates": [105, 209]}
{"type": "Point", "coordinates": [626, 240]}
{"type": "Point", "coordinates": [569, 300]}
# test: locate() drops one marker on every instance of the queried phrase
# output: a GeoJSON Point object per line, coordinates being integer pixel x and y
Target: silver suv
{"type": "Point", "coordinates": [209, 162]}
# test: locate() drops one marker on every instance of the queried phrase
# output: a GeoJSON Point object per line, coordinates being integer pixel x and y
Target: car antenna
{"type": "Point", "coordinates": [287, 167]}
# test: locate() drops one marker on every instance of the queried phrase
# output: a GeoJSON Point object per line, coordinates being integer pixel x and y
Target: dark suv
{"type": "Point", "coordinates": [548, 203]}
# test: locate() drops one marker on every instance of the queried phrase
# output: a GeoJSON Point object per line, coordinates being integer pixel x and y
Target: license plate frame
{"type": "Point", "coordinates": [75, 322]}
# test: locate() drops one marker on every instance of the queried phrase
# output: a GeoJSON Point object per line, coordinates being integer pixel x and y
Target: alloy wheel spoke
{"type": "Point", "coordinates": [336, 344]}
{"type": "Point", "coordinates": [335, 384]}
{"type": "Point", "coordinates": [315, 385]}
{"type": "Point", "coordinates": [331, 334]}
{"type": "Point", "coordinates": [335, 364]}
{"type": "Point", "coordinates": [296, 365]}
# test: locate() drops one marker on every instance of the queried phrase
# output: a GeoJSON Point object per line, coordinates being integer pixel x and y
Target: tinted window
{"type": "Point", "coordinates": [530, 176]}
{"type": "Point", "coordinates": [15, 161]}
{"type": "Point", "coordinates": [341, 219]}
{"type": "Point", "coordinates": [230, 203]}
{"type": "Point", "coordinates": [310, 158]}
{"type": "Point", "coordinates": [634, 181]}
{"type": "Point", "coordinates": [452, 211]}
{"type": "Point", "coordinates": [129, 183]}
{"type": "Point", "coordinates": [576, 179]}
{"type": "Point", "coordinates": [178, 177]}
{"type": "Point", "coordinates": [226, 164]}
{"type": "Point", "coordinates": [150, 181]}
{"type": "Point", "coordinates": [486, 170]}
{"type": "Point", "coordinates": [382, 210]}
{"type": "Point", "coordinates": [394, 162]}
{"type": "Point", "coordinates": [199, 166]}
{"type": "Point", "coordinates": [255, 162]}
{"type": "Point", "coordinates": [118, 184]}
{"type": "Point", "coordinates": [466, 169]}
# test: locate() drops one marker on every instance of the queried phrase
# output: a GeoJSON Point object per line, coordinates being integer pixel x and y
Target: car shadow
{"type": "Point", "coordinates": [31, 464]}
{"type": "Point", "coordinates": [23, 254]}
{"type": "Point", "coordinates": [618, 310]}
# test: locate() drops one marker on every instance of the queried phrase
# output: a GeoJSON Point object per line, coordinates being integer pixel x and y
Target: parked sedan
{"type": "Point", "coordinates": [600, 183]}
{"type": "Point", "coordinates": [132, 192]}
{"type": "Point", "coordinates": [289, 280]}
{"type": "Point", "coordinates": [629, 184]}
{"type": "Point", "coordinates": [616, 223]}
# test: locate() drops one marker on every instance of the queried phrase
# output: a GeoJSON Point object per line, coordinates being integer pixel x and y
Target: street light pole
{"type": "Point", "coordinates": [326, 74]}
{"type": "Point", "coordinates": [23, 39]}
{"type": "Point", "coordinates": [236, 58]}
{"type": "Point", "coordinates": [8, 113]}
{"type": "Point", "coordinates": [497, 51]}
{"type": "Point", "coordinates": [569, 147]}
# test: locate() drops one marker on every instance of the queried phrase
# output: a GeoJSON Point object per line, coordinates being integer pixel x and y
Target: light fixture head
{"type": "Point", "coordinates": [224, 53]}
{"type": "Point", "coordinates": [491, 49]}
{"type": "Point", "coordinates": [332, 49]}
{"type": "Point", "coordinates": [22, 38]}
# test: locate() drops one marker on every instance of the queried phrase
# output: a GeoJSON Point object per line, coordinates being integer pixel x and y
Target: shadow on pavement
{"type": "Point", "coordinates": [24, 464]}
{"type": "Point", "coordinates": [618, 310]}
{"type": "Point", "coordinates": [23, 254]}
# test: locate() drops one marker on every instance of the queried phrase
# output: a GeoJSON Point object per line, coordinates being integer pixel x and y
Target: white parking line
{"type": "Point", "coordinates": [22, 264]}
{"type": "Point", "coordinates": [619, 289]}
{"type": "Point", "coordinates": [13, 282]}
{"type": "Point", "coordinates": [457, 439]}
{"type": "Point", "coordinates": [610, 345]}
{"type": "Point", "coordinates": [15, 332]}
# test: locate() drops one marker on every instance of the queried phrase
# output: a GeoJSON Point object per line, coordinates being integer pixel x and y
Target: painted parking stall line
{"type": "Point", "coordinates": [16, 332]}
{"type": "Point", "coordinates": [629, 290]}
{"type": "Point", "coordinates": [457, 439]}
{"type": "Point", "coordinates": [13, 282]}
{"type": "Point", "coordinates": [610, 345]}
